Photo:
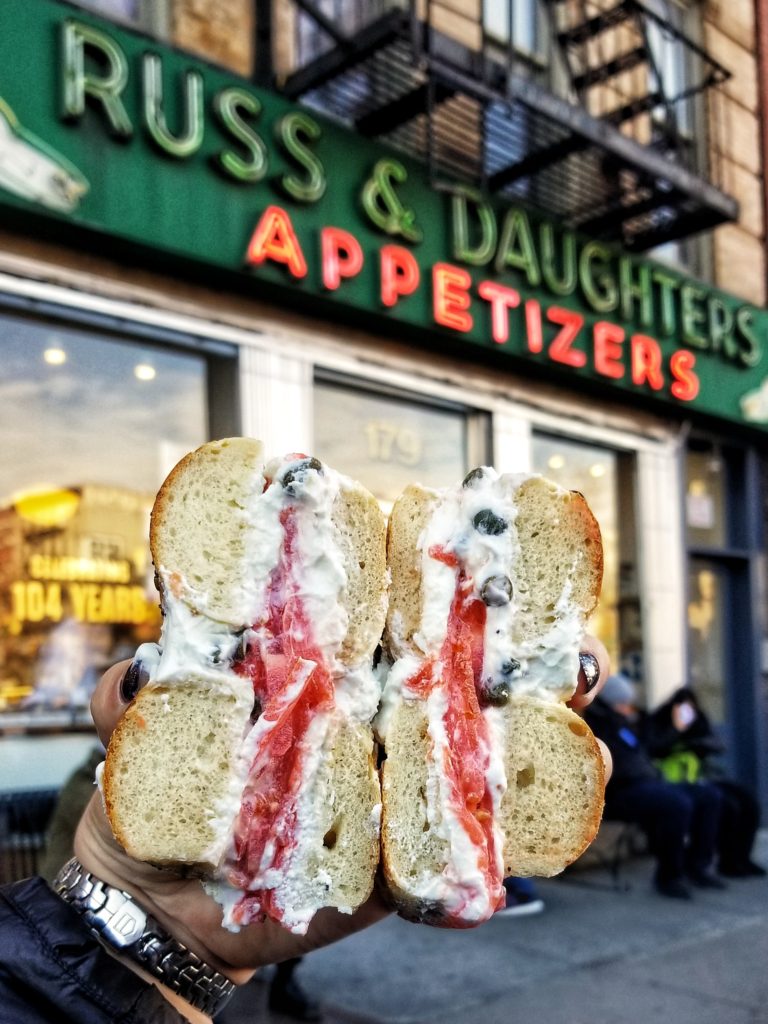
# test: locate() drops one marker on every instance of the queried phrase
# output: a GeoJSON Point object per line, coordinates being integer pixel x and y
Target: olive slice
{"type": "Point", "coordinates": [496, 591]}
{"type": "Point", "coordinates": [489, 523]}
{"type": "Point", "coordinates": [293, 478]}
{"type": "Point", "coordinates": [473, 476]}
{"type": "Point", "coordinates": [496, 693]}
{"type": "Point", "coordinates": [509, 667]}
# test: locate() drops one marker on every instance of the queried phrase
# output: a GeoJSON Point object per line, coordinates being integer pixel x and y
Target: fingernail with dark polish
{"type": "Point", "coordinates": [131, 682]}
{"type": "Point", "coordinates": [590, 667]}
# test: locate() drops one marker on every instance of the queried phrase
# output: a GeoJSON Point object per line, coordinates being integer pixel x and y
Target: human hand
{"type": "Point", "coordinates": [587, 690]}
{"type": "Point", "coordinates": [181, 905]}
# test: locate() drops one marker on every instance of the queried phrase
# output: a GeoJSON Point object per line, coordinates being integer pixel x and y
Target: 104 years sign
{"type": "Point", "coordinates": [118, 141]}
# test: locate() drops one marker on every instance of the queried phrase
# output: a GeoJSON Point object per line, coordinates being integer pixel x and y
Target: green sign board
{"type": "Point", "coordinates": [105, 130]}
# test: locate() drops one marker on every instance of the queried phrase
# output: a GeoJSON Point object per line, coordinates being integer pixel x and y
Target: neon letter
{"type": "Point", "coordinates": [189, 142]}
{"type": "Point", "coordinates": [341, 256]}
{"type": "Point", "coordinates": [646, 361]}
{"type": "Point", "coordinates": [399, 273]}
{"type": "Point", "coordinates": [451, 299]}
{"type": "Point", "coordinates": [502, 299]}
{"type": "Point", "coordinates": [230, 106]}
{"type": "Point", "coordinates": [686, 384]}
{"type": "Point", "coordinates": [533, 326]}
{"type": "Point", "coordinates": [608, 340]}
{"type": "Point", "coordinates": [274, 239]}
{"type": "Point", "coordinates": [77, 83]}
{"type": "Point", "coordinates": [560, 350]}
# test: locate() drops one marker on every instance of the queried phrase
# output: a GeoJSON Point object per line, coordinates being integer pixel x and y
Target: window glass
{"type": "Point", "coordinates": [90, 428]}
{"type": "Point", "coordinates": [705, 499]}
{"type": "Point", "coordinates": [128, 10]}
{"type": "Point", "coordinates": [595, 472]}
{"type": "Point", "coordinates": [521, 14]}
{"type": "Point", "coordinates": [149, 15]}
{"type": "Point", "coordinates": [706, 635]}
{"type": "Point", "coordinates": [389, 442]}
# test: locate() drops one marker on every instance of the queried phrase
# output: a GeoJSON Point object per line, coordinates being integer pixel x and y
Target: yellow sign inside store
{"type": "Point", "coordinates": [47, 508]}
{"type": "Point", "coordinates": [38, 601]}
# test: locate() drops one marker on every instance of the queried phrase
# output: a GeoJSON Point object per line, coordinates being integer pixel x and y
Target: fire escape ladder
{"type": "Point", "coordinates": [585, 125]}
{"type": "Point", "coordinates": [600, 49]}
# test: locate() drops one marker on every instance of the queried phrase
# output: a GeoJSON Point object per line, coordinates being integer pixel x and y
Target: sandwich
{"type": "Point", "coordinates": [487, 772]}
{"type": "Point", "coordinates": [247, 758]}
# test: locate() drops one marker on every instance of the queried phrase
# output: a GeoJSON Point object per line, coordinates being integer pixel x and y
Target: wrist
{"type": "Point", "coordinates": [128, 930]}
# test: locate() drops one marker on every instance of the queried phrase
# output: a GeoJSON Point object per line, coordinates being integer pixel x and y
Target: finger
{"type": "Point", "coordinates": [594, 667]}
{"type": "Point", "coordinates": [607, 760]}
{"type": "Point", "coordinates": [107, 703]}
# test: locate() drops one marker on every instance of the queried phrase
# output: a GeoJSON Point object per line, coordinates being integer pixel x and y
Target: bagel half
{"type": "Point", "coordinates": [248, 756]}
{"type": "Point", "coordinates": [487, 772]}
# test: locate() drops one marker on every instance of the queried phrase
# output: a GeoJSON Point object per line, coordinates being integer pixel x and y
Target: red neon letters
{"type": "Point", "coordinates": [605, 345]}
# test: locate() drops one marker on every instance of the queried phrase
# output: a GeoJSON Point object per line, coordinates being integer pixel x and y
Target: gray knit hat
{"type": "Point", "coordinates": [618, 689]}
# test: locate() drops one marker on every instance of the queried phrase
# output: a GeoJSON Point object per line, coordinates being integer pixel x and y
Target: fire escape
{"type": "Point", "coordinates": [612, 126]}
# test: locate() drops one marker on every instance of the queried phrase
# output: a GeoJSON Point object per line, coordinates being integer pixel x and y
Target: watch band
{"type": "Point", "coordinates": [113, 916]}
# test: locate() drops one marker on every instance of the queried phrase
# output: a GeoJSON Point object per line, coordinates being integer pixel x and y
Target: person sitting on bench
{"type": "Point", "coordinates": [681, 820]}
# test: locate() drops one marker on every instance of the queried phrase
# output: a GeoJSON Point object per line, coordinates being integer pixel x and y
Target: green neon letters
{"type": "Point", "coordinates": [105, 88]}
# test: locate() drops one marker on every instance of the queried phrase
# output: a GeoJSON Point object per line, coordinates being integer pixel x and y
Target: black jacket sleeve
{"type": "Point", "coordinates": [53, 971]}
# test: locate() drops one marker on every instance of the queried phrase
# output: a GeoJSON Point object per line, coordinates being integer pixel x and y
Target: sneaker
{"type": "Point", "coordinates": [674, 889]}
{"type": "Point", "coordinates": [521, 904]}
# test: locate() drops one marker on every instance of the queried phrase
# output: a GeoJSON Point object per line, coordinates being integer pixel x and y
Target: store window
{"type": "Point", "coordinates": [519, 19]}
{"type": "Point", "coordinates": [718, 520]}
{"type": "Point", "coordinates": [151, 15]}
{"type": "Point", "coordinates": [90, 426]}
{"type": "Point", "coordinates": [387, 441]}
{"type": "Point", "coordinates": [708, 584]}
{"type": "Point", "coordinates": [705, 498]}
{"type": "Point", "coordinates": [606, 479]}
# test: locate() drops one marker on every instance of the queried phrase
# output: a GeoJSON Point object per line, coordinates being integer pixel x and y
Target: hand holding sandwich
{"type": "Point", "coordinates": [182, 906]}
{"type": "Point", "coordinates": [241, 748]}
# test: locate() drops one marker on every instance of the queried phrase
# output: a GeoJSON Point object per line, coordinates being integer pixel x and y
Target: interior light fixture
{"type": "Point", "coordinates": [556, 461]}
{"type": "Point", "coordinates": [143, 371]}
{"type": "Point", "coordinates": [597, 470]}
{"type": "Point", "coordinates": [55, 355]}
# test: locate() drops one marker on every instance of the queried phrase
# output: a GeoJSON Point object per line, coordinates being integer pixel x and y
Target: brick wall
{"type": "Point", "coordinates": [739, 249]}
{"type": "Point", "coordinates": [220, 30]}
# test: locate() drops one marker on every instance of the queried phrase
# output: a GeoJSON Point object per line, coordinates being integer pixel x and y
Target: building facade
{"type": "Point", "coordinates": [411, 239]}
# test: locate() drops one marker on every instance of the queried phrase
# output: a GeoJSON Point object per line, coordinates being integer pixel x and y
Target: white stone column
{"type": "Point", "coordinates": [276, 400]}
{"type": "Point", "coordinates": [511, 443]}
{"type": "Point", "coordinates": [661, 565]}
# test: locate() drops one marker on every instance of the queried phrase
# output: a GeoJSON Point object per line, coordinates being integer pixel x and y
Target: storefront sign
{"type": "Point", "coordinates": [102, 129]}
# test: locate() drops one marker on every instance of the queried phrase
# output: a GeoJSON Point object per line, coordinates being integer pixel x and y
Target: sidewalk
{"type": "Point", "coordinates": [595, 956]}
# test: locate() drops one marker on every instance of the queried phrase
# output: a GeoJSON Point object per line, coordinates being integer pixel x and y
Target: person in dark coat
{"type": "Point", "coordinates": [681, 820]}
{"type": "Point", "coordinates": [680, 736]}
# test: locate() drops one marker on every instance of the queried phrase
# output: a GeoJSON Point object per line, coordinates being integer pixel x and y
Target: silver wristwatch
{"type": "Point", "coordinates": [113, 916]}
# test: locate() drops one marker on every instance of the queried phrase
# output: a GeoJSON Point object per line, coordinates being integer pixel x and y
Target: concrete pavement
{"type": "Point", "coordinates": [595, 956]}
